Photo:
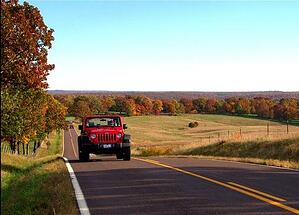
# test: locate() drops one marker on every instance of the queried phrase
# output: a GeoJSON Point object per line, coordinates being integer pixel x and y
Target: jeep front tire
{"type": "Point", "coordinates": [127, 153]}
{"type": "Point", "coordinates": [83, 154]}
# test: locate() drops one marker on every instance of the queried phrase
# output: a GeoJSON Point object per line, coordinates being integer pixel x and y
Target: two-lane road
{"type": "Point", "coordinates": [182, 185]}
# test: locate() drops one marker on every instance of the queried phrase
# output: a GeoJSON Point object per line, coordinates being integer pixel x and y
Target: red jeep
{"type": "Point", "coordinates": [104, 134]}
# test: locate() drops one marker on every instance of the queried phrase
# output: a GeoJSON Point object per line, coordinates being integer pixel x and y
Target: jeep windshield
{"type": "Point", "coordinates": [103, 122]}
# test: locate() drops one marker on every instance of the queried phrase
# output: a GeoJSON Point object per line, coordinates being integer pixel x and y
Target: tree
{"type": "Point", "coordinates": [264, 107]}
{"type": "Point", "coordinates": [107, 102]}
{"type": "Point", "coordinates": [157, 106]}
{"type": "Point", "coordinates": [95, 104]}
{"type": "Point", "coordinates": [11, 117]}
{"type": "Point", "coordinates": [227, 107]}
{"type": "Point", "coordinates": [130, 107]}
{"type": "Point", "coordinates": [25, 40]}
{"type": "Point", "coordinates": [188, 104]}
{"type": "Point", "coordinates": [211, 106]}
{"type": "Point", "coordinates": [243, 106]}
{"type": "Point", "coordinates": [199, 104]}
{"type": "Point", "coordinates": [286, 109]}
{"type": "Point", "coordinates": [232, 104]}
{"type": "Point", "coordinates": [81, 107]}
{"type": "Point", "coordinates": [143, 105]}
{"type": "Point", "coordinates": [55, 115]}
{"type": "Point", "coordinates": [119, 104]}
{"type": "Point", "coordinates": [169, 106]}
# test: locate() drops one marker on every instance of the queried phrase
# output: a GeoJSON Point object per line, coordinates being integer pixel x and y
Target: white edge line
{"type": "Point", "coordinates": [84, 210]}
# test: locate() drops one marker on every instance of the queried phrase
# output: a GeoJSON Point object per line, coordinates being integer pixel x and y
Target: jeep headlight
{"type": "Point", "coordinates": [93, 136]}
{"type": "Point", "coordinates": [119, 135]}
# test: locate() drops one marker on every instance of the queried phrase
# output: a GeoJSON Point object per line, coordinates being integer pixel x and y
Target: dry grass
{"type": "Point", "coordinates": [170, 135]}
{"type": "Point", "coordinates": [173, 131]}
{"type": "Point", "coordinates": [37, 184]}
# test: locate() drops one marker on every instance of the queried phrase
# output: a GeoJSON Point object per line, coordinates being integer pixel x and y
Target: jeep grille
{"type": "Point", "coordinates": [107, 138]}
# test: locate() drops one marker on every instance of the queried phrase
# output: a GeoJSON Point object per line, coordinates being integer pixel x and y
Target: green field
{"type": "Point", "coordinates": [37, 184]}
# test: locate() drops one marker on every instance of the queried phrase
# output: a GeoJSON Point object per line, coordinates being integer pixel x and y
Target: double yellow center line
{"type": "Point", "coordinates": [270, 199]}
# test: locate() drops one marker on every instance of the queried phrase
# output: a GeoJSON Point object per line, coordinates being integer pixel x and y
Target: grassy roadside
{"type": "Point", "coordinates": [38, 184]}
{"type": "Point", "coordinates": [282, 153]}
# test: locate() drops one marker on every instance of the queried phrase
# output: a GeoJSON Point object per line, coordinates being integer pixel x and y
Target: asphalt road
{"type": "Point", "coordinates": [182, 185]}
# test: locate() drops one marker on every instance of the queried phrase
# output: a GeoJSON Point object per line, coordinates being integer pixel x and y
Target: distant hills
{"type": "Point", "coordinates": [182, 94]}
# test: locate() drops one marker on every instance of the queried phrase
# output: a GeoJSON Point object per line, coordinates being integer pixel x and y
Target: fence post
{"type": "Point", "coordinates": [228, 134]}
{"type": "Point", "coordinates": [218, 136]}
{"type": "Point", "coordinates": [268, 129]}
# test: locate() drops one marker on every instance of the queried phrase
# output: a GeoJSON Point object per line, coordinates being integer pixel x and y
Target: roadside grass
{"type": "Point", "coordinates": [279, 152]}
{"type": "Point", "coordinates": [282, 153]}
{"type": "Point", "coordinates": [37, 184]}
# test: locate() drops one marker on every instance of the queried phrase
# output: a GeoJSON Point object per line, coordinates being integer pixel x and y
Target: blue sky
{"type": "Point", "coordinates": [173, 45]}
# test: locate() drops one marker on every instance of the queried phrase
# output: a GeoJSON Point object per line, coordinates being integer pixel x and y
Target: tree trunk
{"type": "Point", "coordinates": [34, 146]}
{"type": "Point", "coordinates": [23, 146]}
{"type": "Point", "coordinates": [18, 147]}
{"type": "Point", "coordinates": [27, 148]}
{"type": "Point", "coordinates": [11, 144]}
{"type": "Point", "coordinates": [14, 147]}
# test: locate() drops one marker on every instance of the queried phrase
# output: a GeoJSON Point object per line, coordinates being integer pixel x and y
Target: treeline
{"type": "Point", "coordinates": [28, 112]}
{"type": "Point", "coordinates": [276, 95]}
{"type": "Point", "coordinates": [283, 109]}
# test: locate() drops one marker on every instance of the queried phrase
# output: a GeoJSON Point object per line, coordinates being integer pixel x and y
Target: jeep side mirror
{"type": "Point", "coordinates": [125, 126]}
{"type": "Point", "coordinates": [80, 127]}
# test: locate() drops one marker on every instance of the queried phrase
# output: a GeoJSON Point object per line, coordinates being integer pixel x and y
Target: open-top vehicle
{"type": "Point", "coordinates": [104, 134]}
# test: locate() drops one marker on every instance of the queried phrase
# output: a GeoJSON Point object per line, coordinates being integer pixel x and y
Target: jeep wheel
{"type": "Point", "coordinates": [127, 154]}
{"type": "Point", "coordinates": [83, 156]}
{"type": "Point", "coordinates": [119, 155]}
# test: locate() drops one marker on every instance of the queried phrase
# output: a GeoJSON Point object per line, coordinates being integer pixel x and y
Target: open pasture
{"type": "Point", "coordinates": [173, 131]}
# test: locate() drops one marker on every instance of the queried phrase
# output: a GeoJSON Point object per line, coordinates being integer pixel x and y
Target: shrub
{"type": "Point", "coordinates": [193, 124]}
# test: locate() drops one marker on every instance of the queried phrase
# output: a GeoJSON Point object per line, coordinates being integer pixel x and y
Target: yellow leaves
{"type": "Point", "coordinates": [25, 139]}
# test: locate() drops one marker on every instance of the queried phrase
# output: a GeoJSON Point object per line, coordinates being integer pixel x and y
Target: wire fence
{"type": "Point", "coordinates": [249, 133]}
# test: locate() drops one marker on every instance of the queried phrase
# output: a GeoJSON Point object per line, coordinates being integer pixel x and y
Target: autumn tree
{"type": "Point", "coordinates": [130, 107]}
{"type": "Point", "coordinates": [66, 100]}
{"type": "Point", "coordinates": [157, 106]}
{"type": "Point", "coordinates": [55, 115]}
{"type": "Point", "coordinates": [169, 106]}
{"type": "Point", "coordinates": [25, 40]}
{"type": "Point", "coordinates": [227, 107]}
{"type": "Point", "coordinates": [107, 103]}
{"type": "Point", "coordinates": [243, 106]}
{"type": "Point", "coordinates": [286, 109]}
{"type": "Point", "coordinates": [211, 106]}
{"type": "Point", "coordinates": [143, 105]}
{"type": "Point", "coordinates": [27, 111]}
{"type": "Point", "coordinates": [81, 107]}
{"type": "Point", "coordinates": [119, 104]}
{"type": "Point", "coordinates": [199, 104]}
{"type": "Point", "coordinates": [264, 107]}
{"type": "Point", "coordinates": [188, 104]}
